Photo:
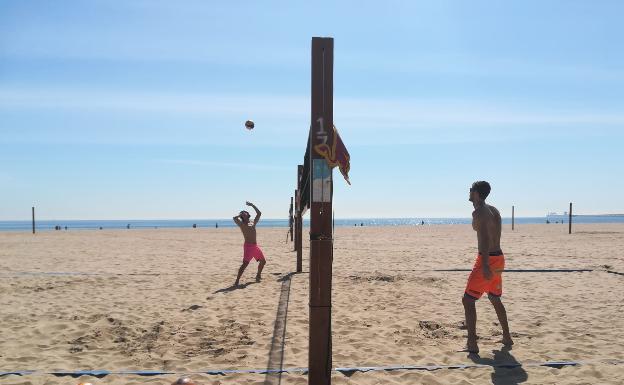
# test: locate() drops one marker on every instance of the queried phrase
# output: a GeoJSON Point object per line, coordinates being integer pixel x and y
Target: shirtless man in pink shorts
{"type": "Point", "coordinates": [251, 250]}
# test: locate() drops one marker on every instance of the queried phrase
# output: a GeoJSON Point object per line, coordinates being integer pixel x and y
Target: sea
{"type": "Point", "coordinates": [45, 225]}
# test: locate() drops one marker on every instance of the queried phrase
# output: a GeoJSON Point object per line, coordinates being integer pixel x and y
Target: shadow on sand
{"type": "Point", "coordinates": [276, 354]}
{"type": "Point", "coordinates": [507, 370]}
{"type": "Point", "coordinates": [234, 287]}
{"type": "Point", "coordinates": [286, 277]}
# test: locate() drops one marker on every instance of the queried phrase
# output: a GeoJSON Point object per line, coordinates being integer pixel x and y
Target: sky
{"type": "Point", "coordinates": [135, 109]}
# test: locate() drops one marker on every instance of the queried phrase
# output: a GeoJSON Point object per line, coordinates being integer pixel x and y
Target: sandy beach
{"type": "Point", "coordinates": [162, 300]}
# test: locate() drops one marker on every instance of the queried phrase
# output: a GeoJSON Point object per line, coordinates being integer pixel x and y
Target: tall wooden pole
{"type": "Point", "coordinates": [296, 210]}
{"type": "Point", "coordinates": [321, 237]}
{"type": "Point", "coordinates": [299, 221]}
{"type": "Point", "coordinates": [33, 219]}
{"type": "Point", "coordinates": [512, 217]}
{"type": "Point", "coordinates": [291, 219]}
{"type": "Point", "coordinates": [570, 219]}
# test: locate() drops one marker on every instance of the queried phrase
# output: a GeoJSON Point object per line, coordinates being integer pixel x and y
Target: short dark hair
{"type": "Point", "coordinates": [482, 187]}
{"type": "Point", "coordinates": [243, 211]}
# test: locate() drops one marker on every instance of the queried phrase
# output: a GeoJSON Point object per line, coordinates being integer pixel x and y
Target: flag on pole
{"type": "Point", "coordinates": [335, 152]}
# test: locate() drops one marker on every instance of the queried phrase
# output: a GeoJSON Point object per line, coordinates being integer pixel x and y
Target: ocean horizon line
{"type": "Point", "coordinates": [101, 224]}
{"type": "Point", "coordinates": [282, 218]}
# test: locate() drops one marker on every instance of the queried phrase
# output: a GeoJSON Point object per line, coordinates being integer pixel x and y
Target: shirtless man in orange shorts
{"type": "Point", "coordinates": [251, 250]}
{"type": "Point", "coordinates": [486, 275]}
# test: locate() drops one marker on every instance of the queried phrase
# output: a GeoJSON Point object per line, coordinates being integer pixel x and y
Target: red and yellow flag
{"type": "Point", "coordinates": [335, 152]}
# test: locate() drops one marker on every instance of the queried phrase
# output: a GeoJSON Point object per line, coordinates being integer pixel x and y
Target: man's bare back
{"type": "Point", "coordinates": [486, 221]}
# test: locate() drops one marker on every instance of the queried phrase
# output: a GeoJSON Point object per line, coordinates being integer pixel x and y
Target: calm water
{"type": "Point", "coordinates": [203, 223]}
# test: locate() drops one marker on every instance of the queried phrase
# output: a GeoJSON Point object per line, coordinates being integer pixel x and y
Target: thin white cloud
{"type": "Point", "coordinates": [126, 116]}
{"type": "Point", "coordinates": [130, 101]}
{"type": "Point", "coordinates": [468, 112]}
{"type": "Point", "coordinates": [460, 64]}
{"type": "Point", "coordinates": [217, 164]}
{"type": "Point", "coordinates": [360, 110]}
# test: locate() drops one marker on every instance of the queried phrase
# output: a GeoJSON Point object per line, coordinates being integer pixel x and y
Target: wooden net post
{"type": "Point", "coordinates": [291, 220]}
{"type": "Point", "coordinates": [296, 210]}
{"type": "Point", "coordinates": [513, 219]}
{"type": "Point", "coordinates": [321, 237]}
{"type": "Point", "coordinates": [570, 219]}
{"type": "Point", "coordinates": [299, 221]}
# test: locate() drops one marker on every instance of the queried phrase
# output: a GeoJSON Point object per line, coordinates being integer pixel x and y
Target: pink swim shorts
{"type": "Point", "coordinates": [252, 251]}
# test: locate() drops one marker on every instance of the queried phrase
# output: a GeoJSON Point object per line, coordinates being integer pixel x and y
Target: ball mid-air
{"type": "Point", "coordinates": [249, 124]}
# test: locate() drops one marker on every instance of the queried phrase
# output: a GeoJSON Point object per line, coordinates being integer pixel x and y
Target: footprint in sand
{"type": "Point", "coordinates": [192, 307]}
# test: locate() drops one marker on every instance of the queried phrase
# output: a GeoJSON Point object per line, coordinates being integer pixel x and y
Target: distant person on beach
{"type": "Point", "coordinates": [486, 275]}
{"type": "Point", "coordinates": [251, 250]}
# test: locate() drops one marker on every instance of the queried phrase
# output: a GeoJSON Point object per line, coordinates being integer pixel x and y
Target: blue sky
{"type": "Point", "coordinates": [135, 108]}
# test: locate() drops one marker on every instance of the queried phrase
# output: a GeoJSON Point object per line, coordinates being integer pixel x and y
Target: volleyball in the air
{"type": "Point", "coordinates": [249, 124]}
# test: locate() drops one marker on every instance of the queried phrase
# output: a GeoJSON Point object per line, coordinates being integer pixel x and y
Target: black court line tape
{"type": "Point", "coordinates": [347, 370]}
{"type": "Point", "coordinates": [51, 273]}
{"type": "Point", "coordinates": [614, 272]}
{"type": "Point", "coordinates": [88, 274]}
{"type": "Point", "coordinates": [510, 365]}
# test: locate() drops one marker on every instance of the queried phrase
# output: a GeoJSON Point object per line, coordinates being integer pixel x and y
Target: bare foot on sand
{"type": "Point", "coordinates": [507, 341]}
{"type": "Point", "coordinates": [471, 347]}
{"type": "Point", "coordinates": [258, 278]}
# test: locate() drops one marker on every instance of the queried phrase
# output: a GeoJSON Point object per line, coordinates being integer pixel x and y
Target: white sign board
{"type": "Point", "coordinates": [321, 181]}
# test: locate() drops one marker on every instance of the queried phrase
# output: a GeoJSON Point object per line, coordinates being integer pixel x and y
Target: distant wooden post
{"type": "Point", "coordinates": [299, 220]}
{"type": "Point", "coordinates": [321, 236]}
{"type": "Point", "coordinates": [512, 217]}
{"type": "Point", "coordinates": [291, 219]}
{"type": "Point", "coordinates": [295, 211]}
{"type": "Point", "coordinates": [570, 220]}
{"type": "Point", "coordinates": [33, 219]}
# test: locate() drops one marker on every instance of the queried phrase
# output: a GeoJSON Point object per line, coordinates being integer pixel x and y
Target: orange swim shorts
{"type": "Point", "coordinates": [477, 284]}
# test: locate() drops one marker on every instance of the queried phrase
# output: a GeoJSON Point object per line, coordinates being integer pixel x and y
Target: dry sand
{"type": "Point", "coordinates": [160, 300]}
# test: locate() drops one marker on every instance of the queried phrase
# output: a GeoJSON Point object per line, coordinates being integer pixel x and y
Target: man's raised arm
{"type": "Point", "coordinates": [258, 213]}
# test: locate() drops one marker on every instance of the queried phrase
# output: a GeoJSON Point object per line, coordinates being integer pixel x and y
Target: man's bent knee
{"type": "Point", "coordinates": [494, 298]}
{"type": "Point", "coordinates": [467, 299]}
